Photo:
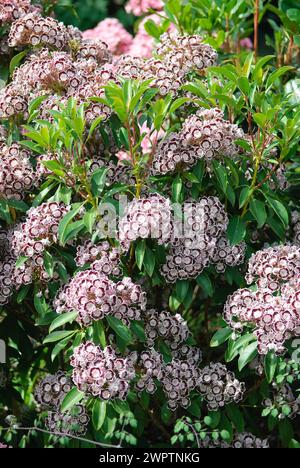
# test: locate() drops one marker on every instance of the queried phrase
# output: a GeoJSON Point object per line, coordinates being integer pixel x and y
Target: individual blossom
{"type": "Point", "coordinates": [94, 296]}
{"type": "Point", "coordinates": [51, 390]}
{"type": "Point", "coordinates": [139, 7]}
{"type": "Point", "coordinates": [16, 173]}
{"type": "Point", "coordinates": [219, 387]}
{"type": "Point", "coordinates": [274, 266]}
{"type": "Point", "coordinates": [113, 33]}
{"type": "Point", "coordinates": [102, 373]}
{"type": "Point", "coordinates": [226, 255]}
{"type": "Point", "coordinates": [144, 218]}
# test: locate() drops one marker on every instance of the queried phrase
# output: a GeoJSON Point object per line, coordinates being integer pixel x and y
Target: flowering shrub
{"type": "Point", "coordinates": [149, 228]}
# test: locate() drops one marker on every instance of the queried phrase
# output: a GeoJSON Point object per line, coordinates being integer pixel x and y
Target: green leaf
{"type": "Point", "coordinates": [16, 60]}
{"type": "Point", "coordinates": [236, 231]}
{"type": "Point", "coordinates": [271, 362]}
{"type": "Point", "coordinates": [258, 211]}
{"type": "Point", "coordinates": [206, 284]}
{"type": "Point", "coordinates": [243, 84]}
{"type": "Point", "coordinates": [149, 261]}
{"type": "Point", "coordinates": [99, 337]}
{"type": "Point", "coordinates": [245, 196]}
{"type": "Point", "coordinates": [63, 225]}
{"type": "Point", "coordinates": [71, 399]}
{"type": "Point", "coordinates": [49, 263]}
{"type": "Point", "coordinates": [120, 329]}
{"type": "Point", "coordinates": [99, 414]}
{"type": "Point", "coordinates": [182, 288]}
{"type": "Point", "coordinates": [21, 261]}
{"type": "Point", "coordinates": [279, 210]}
{"type": "Point", "coordinates": [98, 181]}
{"type": "Point", "coordinates": [220, 337]}
{"type": "Point", "coordinates": [236, 416]}
{"type": "Point", "coordinates": [58, 348]}
{"type": "Point", "coordinates": [68, 317]}
{"type": "Point", "coordinates": [177, 187]}
{"type": "Point", "coordinates": [277, 74]}
{"type": "Point", "coordinates": [58, 335]}
{"type": "Point", "coordinates": [140, 252]}
{"type": "Point", "coordinates": [247, 355]}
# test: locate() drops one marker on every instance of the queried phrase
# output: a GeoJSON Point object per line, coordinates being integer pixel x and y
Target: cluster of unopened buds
{"type": "Point", "coordinates": [93, 295]}
{"type": "Point", "coordinates": [219, 387]}
{"type": "Point", "coordinates": [102, 373]}
{"type": "Point", "coordinates": [204, 135]}
{"type": "Point", "coordinates": [50, 393]}
{"type": "Point", "coordinates": [16, 173]}
{"type": "Point", "coordinates": [273, 308]}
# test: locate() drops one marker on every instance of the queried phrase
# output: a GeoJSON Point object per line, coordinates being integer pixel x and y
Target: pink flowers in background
{"type": "Point", "coordinates": [139, 7]}
{"type": "Point", "coordinates": [113, 33]}
{"type": "Point", "coordinates": [246, 43]}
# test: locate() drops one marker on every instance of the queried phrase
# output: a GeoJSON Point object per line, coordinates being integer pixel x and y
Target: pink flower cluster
{"type": "Point", "coordinates": [219, 387]}
{"type": "Point", "coordinates": [11, 10]}
{"type": "Point", "coordinates": [113, 33]}
{"type": "Point", "coordinates": [205, 135]}
{"type": "Point", "coordinates": [7, 266]}
{"type": "Point", "coordinates": [16, 172]}
{"type": "Point", "coordinates": [50, 393]}
{"type": "Point", "coordinates": [102, 374]}
{"type": "Point", "coordinates": [273, 309]}
{"type": "Point", "coordinates": [102, 257]}
{"type": "Point", "coordinates": [146, 217]}
{"type": "Point", "coordinates": [140, 7]}
{"type": "Point", "coordinates": [93, 295]}
{"type": "Point", "coordinates": [244, 440]}
{"type": "Point", "coordinates": [33, 237]}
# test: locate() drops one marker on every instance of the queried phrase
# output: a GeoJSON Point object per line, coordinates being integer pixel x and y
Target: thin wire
{"type": "Point", "coordinates": [58, 434]}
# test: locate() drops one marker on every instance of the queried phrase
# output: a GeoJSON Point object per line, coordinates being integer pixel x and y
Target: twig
{"type": "Point", "coordinates": [58, 434]}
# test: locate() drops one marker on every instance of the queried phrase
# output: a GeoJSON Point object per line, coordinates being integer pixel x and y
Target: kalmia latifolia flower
{"type": "Point", "coordinates": [113, 33]}
{"type": "Point", "coordinates": [33, 237]}
{"type": "Point", "coordinates": [274, 266]}
{"type": "Point", "coordinates": [219, 387]}
{"type": "Point", "coordinates": [172, 329]}
{"type": "Point", "coordinates": [151, 365]}
{"type": "Point", "coordinates": [16, 172]}
{"type": "Point", "coordinates": [93, 295]}
{"type": "Point", "coordinates": [226, 255]}
{"type": "Point", "coordinates": [72, 422]}
{"type": "Point", "coordinates": [102, 257]}
{"type": "Point", "coordinates": [7, 267]}
{"type": "Point", "coordinates": [12, 10]}
{"type": "Point", "coordinates": [144, 218]}
{"type": "Point", "coordinates": [12, 102]}
{"type": "Point", "coordinates": [51, 391]}
{"type": "Point", "coordinates": [296, 226]}
{"type": "Point", "coordinates": [139, 7]}
{"type": "Point", "coordinates": [204, 223]}
{"type": "Point", "coordinates": [35, 30]}
{"type": "Point", "coordinates": [273, 309]}
{"type": "Point", "coordinates": [205, 135]}
{"type": "Point", "coordinates": [244, 440]}
{"type": "Point", "coordinates": [102, 374]}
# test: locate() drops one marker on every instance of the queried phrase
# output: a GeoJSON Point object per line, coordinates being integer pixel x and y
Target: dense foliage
{"type": "Point", "coordinates": [150, 225]}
